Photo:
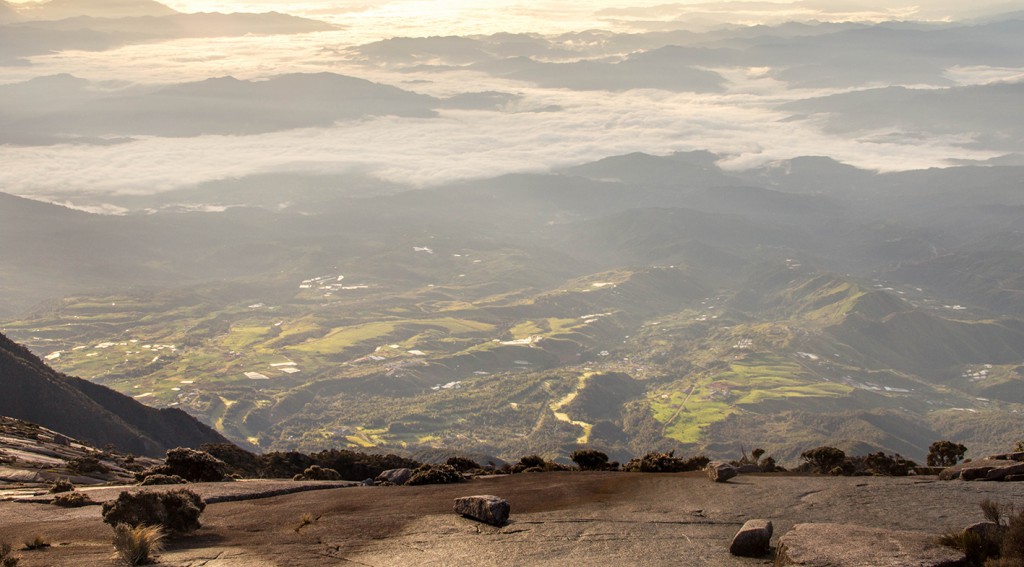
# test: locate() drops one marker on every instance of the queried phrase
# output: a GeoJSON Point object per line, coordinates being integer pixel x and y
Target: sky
{"type": "Point", "coordinates": [742, 124]}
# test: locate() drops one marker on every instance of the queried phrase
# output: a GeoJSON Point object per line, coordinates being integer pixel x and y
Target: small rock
{"type": "Point", "coordinates": [844, 545]}
{"type": "Point", "coordinates": [720, 472]}
{"type": "Point", "coordinates": [369, 482]}
{"type": "Point", "coordinates": [1013, 478]}
{"type": "Point", "coordinates": [753, 539]}
{"type": "Point", "coordinates": [484, 508]}
{"type": "Point", "coordinates": [395, 476]}
{"type": "Point", "coordinates": [748, 468]}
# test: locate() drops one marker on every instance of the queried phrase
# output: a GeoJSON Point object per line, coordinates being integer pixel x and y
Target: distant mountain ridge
{"type": "Point", "coordinates": [34, 392]}
{"type": "Point", "coordinates": [60, 9]}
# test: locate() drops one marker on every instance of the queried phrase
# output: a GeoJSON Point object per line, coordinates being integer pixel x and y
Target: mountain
{"type": "Point", "coordinates": [63, 9]}
{"type": "Point", "coordinates": [83, 32]}
{"type": "Point", "coordinates": [978, 109]}
{"type": "Point", "coordinates": [631, 73]}
{"type": "Point", "coordinates": [223, 105]}
{"type": "Point", "coordinates": [34, 392]}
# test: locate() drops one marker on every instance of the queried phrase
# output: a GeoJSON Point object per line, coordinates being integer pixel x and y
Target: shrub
{"type": "Point", "coordinates": [880, 464]}
{"type": "Point", "coordinates": [38, 542]}
{"type": "Point", "coordinates": [135, 545]}
{"type": "Point", "coordinates": [530, 461]}
{"type": "Point", "coordinates": [995, 512]}
{"type": "Point", "coordinates": [462, 464]}
{"type": "Point", "coordinates": [61, 485]}
{"type": "Point", "coordinates": [945, 454]}
{"type": "Point", "coordinates": [316, 472]}
{"type": "Point", "coordinates": [6, 559]}
{"type": "Point", "coordinates": [189, 464]}
{"type": "Point", "coordinates": [177, 510]}
{"type": "Point", "coordinates": [655, 462]}
{"type": "Point", "coordinates": [238, 460]}
{"type": "Point", "coordinates": [824, 459]}
{"type": "Point", "coordinates": [162, 479]}
{"type": "Point", "coordinates": [435, 474]}
{"type": "Point", "coordinates": [972, 544]}
{"type": "Point", "coordinates": [72, 500]}
{"type": "Point", "coordinates": [86, 464]}
{"type": "Point", "coordinates": [590, 460]}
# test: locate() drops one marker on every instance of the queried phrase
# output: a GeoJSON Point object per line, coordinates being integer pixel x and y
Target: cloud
{"type": "Point", "coordinates": [463, 144]}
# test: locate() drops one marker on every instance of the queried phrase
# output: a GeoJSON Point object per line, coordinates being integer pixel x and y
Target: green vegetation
{"type": "Point", "coordinates": [646, 361]}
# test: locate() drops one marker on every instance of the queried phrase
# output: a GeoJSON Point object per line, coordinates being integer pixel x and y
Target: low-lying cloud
{"type": "Point", "coordinates": [467, 144]}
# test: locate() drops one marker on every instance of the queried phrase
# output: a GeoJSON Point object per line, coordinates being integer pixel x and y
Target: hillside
{"type": "Point", "coordinates": [33, 392]}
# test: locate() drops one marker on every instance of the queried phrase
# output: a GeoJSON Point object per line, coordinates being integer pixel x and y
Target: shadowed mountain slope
{"type": "Point", "coordinates": [34, 392]}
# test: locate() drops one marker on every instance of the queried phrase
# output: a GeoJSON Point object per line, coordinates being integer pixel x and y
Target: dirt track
{"type": "Point", "coordinates": [557, 519]}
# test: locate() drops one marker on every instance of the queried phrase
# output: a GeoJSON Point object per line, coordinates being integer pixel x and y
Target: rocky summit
{"type": "Point", "coordinates": [560, 518]}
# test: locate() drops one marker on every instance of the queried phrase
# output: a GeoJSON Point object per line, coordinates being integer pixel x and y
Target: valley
{"type": "Point", "coordinates": [581, 317]}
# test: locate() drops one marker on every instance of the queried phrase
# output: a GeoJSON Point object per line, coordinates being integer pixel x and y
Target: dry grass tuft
{"type": "Point", "coordinates": [305, 520]}
{"type": "Point", "coordinates": [136, 545]}
{"type": "Point", "coordinates": [38, 542]}
{"type": "Point", "coordinates": [6, 559]}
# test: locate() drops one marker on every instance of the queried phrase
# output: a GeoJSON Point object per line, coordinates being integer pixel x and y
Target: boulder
{"type": "Point", "coordinates": [999, 473]}
{"type": "Point", "coordinates": [845, 545]}
{"type": "Point", "coordinates": [484, 508]}
{"type": "Point", "coordinates": [395, 476]}
{"type": "Point", "coordinates": [753, 539]}
{"type": "Point", "coordinates": [988, 531]}
{"type": "Point", "coordinates": [975, 473]}
{"type": "Point", "coordinates": [983, 466]}
{"type": "Point", "coordinates": [1013, 478]}
{"type": "Point", "coordinates": [748, 468]}
{"type": "Point", "coordinates": [719, 471]}
{"type": "Point", "coordinates": [1016, 456]}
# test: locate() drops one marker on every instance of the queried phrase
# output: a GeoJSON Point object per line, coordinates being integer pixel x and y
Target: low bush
{"type": "Point", "coordinates": [189, 464]}
{"type": "Point", "coordinates": [463, 464]}
{"type": "Point", "coordinates": [86, 464]}
{"type": "Point", "coordinates": [534, 463]}
{"type": "Point", "coordinates": [823, 460]}
{"type": "Point", "coordinates": [435, 474]}
{"type": "Point", "coordinates": [136, 545]}
{"type": "Point", "coordinates": [162, 479]}
{"type": "Point", "coordinates": [177, 510]}
{"type": "Point", "coordinates": [72, 500]}
{"type": "Point", "coordinates": [655, 462]}
{"type": "Point", "coordinates": [590, 460]}
{"type": "Point", "coordinates": [316, 472]}
{"type": "Point", "coordinates": [61, 485]}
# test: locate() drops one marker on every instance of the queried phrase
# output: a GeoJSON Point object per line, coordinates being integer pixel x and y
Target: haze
{"type": "Point", "coordinates": [740, 120]}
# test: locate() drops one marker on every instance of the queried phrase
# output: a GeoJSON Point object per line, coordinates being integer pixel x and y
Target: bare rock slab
{"type": "Point", "coordinates": [753, 539]}
{"type": "Point", "coordinates": [845, 545]}
{"type": "Point", "coordinates": [484, 508]}
{"type": "Point", "coordinates": [720, 472]}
